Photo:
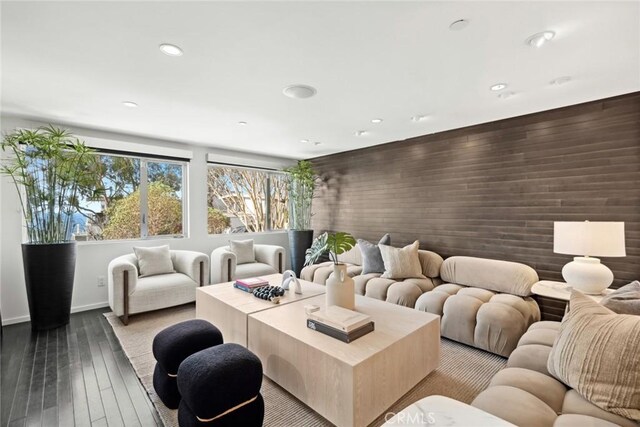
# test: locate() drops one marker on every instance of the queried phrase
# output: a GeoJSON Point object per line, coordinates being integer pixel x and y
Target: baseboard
{"type": "Point", "coordinates": [76, 309]}
{"type": "Point", "coordinates": [88, 307]}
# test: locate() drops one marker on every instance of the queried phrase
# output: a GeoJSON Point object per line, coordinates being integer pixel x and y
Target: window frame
{"type": "Point", "coordinates": [267, 191]}
{"type": "Point", "coordinates": [144, 204]}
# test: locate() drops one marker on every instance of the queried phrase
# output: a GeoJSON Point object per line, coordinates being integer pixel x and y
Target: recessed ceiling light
{"type": "Point", "coordinates": [242, 123]}
{"type": "Point", "coordinates": [304, 141]}
{"type": "Point", "coordinates": [317, 143]}
{"type": "Point", "coordinates": [376, 121]}
{"type": "Point", "coordinates": [458, 25]}
{"type": "Point", "coordinates": [505, 95]}
{"type": "Point", "coordinates": [560, 80]}
{"type": "Point", "coordinates": [361, 133]}
{"type": "Point", "coordinates": [170, 49]}
{"type": "Point", "coordinates": [419, 118]}
{"type": "Point", "coordinates": [299, 91]}
{"type": "Point", "coordinates": [537, 40]}
{"type": "Point", "coordinates": [129, 104]}
{"type": "Point", "coordinates": [498, 86]}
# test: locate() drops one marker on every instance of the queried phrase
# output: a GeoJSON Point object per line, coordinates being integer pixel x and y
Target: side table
{"type": "Point", "coordinates": [552, 297]}
{"type": "Point", "coordinates": [435, 411]}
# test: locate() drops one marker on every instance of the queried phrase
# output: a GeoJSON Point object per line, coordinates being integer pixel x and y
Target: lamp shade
{"type": "Point", "coordinates": [589, 238]}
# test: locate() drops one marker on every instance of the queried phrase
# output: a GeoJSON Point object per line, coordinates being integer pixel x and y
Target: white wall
{"type": "Point", "coordinates": [93, 257]}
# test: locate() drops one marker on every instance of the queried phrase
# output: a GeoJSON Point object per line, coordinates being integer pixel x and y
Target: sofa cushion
{"type": "Point", "coordinates": [407, 292]}
{"type": "Point", "coordinates": [433, 302]}
{"type": "Point", "coordinates": [371, 258]}
{"type": "Point", "coordinates": [573, 420]}
{"type": "Point", "coordinates": [625, 300]}
{"type": "Point", "coordinates": [253, 269]}
{"type": "Point", "coordinates": [576, 404]}
{"type": "Point", "coordinates": [431, 263]}
{"type": "Point", "coordinates": [401, 263]}
{"type": "Point", "coordinates": [499, 276]}
{"type": "Point", "coordinates": [153, 261]}
{"type": "Point", "coordinates": [530, 356]}
{"type": "Point", "coordinates": [244, 250]}
{"type": "Point", "coordinates": [165, 290]}
{"type": "Point", "coordinates": [597, 354]}
{"type": "Point", "coordinates": [544, 387]}
{"type": "Point", "coordinates": [516, 406]}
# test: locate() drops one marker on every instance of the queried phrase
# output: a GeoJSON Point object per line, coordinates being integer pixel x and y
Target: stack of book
{"type": "Point", "coordinates": [249, 285]}
{"type": "Point", "coordinates": [340, 323]}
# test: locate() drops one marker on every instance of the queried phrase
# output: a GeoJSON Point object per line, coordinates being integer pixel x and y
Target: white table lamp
{"type": "Point", "coordinates": [588, 239]}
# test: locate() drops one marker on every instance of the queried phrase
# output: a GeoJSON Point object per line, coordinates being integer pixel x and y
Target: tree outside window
{"type": "Point", "coordinates": [251, 200]}
{"type": "Point", "coordinates": [119, 212]}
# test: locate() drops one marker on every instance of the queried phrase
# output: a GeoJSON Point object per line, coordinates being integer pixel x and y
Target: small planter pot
{"type": "Point", "coordinates": [340, 288]}
{"type": "Point", "coordinates": [49, 271]}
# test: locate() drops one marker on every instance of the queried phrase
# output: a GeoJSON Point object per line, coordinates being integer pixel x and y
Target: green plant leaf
{"type": "Point", "coordinates": [318, 249]}
{"type": "Point", "coordinates": [339, 243]}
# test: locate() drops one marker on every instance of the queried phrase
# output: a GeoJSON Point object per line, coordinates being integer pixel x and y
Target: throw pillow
{"type": "Point", "coordinates": [401, 263]}
{"type": "Point", "coordinates": [625, 300]}
{"type": "Point", "coordinates": [154, 260]}
{"type": "Point", "coordinates": [244, 251]}
{"type": "Point", "coordinates": [597, 352]}
{"type": "Point", "coordinates": [371, 257]}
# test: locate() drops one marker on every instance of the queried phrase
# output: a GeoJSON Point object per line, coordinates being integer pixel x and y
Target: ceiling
{"type": "Point", "coordinates": [76, 62]}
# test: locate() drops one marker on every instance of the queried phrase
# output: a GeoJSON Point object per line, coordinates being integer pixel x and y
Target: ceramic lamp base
{"type": "Point", "coordinates": [587, 275]}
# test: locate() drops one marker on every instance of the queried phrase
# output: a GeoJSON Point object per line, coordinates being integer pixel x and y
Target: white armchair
{"type": "Point", "coordinates": [130, 294]}
{"type": "Point", "coordinates": [224, 266]}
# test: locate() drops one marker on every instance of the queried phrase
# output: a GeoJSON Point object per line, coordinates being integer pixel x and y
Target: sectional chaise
{"type": "Point", "coordinates": [482, 302]}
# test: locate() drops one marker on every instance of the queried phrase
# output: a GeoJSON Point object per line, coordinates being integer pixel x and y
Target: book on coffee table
{"type": "Point", "coordinates": [340, 318]}
{"type": "Point", "coordinates": [249, 285]}
{"type": "Point", "coordinates": [339, 334]}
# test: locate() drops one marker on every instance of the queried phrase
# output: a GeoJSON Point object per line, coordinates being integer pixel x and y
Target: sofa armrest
{"type": "Point", "coordinates": [120, 268]}
{"type": "Point", "coordinates": [272, 255]}
{"type": "Point", "coordinates": [223, 265]}
{"type": "Point", "coordinates": [193, 264]}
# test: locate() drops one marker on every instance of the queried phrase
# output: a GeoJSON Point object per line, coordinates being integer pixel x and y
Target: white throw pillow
{"type": "Point", "coordinates": [244, 251]}
{"type": "Point", "coordinates": [154, 260]}
{"type": "Point", "coordinates": [401, 263]}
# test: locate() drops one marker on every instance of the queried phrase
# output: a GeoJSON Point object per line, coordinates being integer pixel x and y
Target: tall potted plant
{"type": "Point", "coordinates": [301, 185]}
{"type": "Point", "coordinates": [49, 168]}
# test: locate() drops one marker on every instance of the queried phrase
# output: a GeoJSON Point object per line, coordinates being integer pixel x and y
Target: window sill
{"type": "Point", "coordinates": [120, 241]}
{"type": "Point", "coordinates": [255, 233]}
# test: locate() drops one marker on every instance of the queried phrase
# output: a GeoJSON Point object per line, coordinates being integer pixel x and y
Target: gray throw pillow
{"type": "Point", "coordinates": [153, 261]}
{"type": "Point", "coordinates": [371, 257]}
{"type": "Point", "coordinates": [244, 251]}
{"type": "Point", "coordinates": [625, 300]}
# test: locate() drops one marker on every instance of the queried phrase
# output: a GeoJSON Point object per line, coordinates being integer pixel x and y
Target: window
{"type": "Point", "coordinates": [134, 198]}
{"type": "Point", "coordinates": [244, 200]}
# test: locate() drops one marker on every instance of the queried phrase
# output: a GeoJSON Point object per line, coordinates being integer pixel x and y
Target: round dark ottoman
{"type": "Point", "coordinates": [220, 386]}
{"type": "Point", "coordinates": [174, 344]}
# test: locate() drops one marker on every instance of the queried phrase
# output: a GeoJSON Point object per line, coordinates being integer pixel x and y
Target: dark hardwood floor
{"type": "Point", "coordinates": [74, 375]}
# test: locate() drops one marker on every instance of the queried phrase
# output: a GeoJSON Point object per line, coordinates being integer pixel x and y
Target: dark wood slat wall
{"type": "Point", "coordinates": [494, 190]}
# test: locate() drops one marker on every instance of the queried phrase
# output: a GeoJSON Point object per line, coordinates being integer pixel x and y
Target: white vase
{"type": "Point", "coordinates": [340, 288]}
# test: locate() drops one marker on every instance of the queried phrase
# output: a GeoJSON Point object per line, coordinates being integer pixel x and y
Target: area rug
{"type": "Point", "coordinates": [463, 373]}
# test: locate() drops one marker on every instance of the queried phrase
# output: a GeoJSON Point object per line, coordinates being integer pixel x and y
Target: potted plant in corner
{"type": "Point", "coordinates": [49, 167]}
{"type": "Point", "coordinates": [340, 287]}
{"type": "Point", "coordinates": [301, 184]}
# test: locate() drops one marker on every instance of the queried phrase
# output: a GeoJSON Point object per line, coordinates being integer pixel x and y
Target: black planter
{"type": "Point", "coordinates": [48, 271]}
{"type": "Point", "coordinates": [299, 242]}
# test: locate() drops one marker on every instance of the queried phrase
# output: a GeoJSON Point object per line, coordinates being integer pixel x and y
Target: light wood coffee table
{"type": "Point", "coordinates": [349, 384]}
{"type": "Point", "coordinates": [228, 308]}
